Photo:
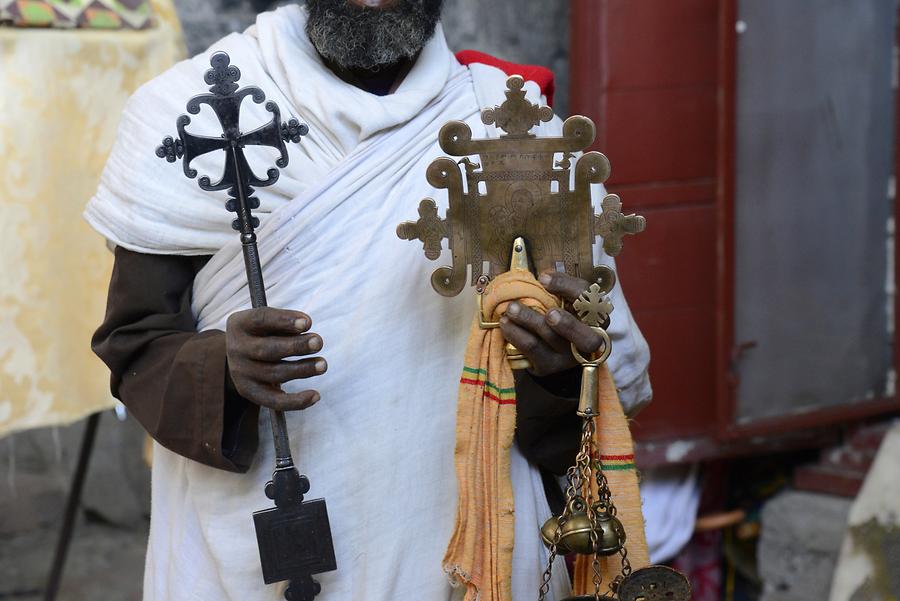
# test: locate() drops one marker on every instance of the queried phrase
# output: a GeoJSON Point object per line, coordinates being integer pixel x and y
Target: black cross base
{"type": "Point", "coordinates": [294, 540]}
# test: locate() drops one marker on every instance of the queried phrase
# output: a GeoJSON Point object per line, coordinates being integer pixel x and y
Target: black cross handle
{"type": "Point", "coordinates": [237, 178]}
{"type": "Point", "coordinates": [294, 536]}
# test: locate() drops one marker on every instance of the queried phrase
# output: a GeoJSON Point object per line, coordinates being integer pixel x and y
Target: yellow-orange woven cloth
{"type": "Point", "coordinates": [479, 555]}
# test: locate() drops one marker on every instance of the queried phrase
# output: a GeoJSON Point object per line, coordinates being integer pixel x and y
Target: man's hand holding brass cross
{"type": "Point", "coordinates": [546, 340]}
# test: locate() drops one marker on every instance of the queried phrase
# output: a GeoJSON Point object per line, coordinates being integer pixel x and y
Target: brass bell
{"type": "Point", "coordinates": [575, 533]}
{"type": "Point", "coordinates": [610, 532]}
{"type": "Point", "coordinates": [548, 535]}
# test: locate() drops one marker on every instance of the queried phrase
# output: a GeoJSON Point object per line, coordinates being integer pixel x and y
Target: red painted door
{"type": "Point", "coordinates": [649, 83]}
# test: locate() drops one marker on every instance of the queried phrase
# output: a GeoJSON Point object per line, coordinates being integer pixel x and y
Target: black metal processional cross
{"type": "Point", "coordinates": [294, 537]}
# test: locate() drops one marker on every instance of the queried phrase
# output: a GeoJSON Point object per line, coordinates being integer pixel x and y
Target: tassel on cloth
{"type": "Point", "coordinates": [479, 555]}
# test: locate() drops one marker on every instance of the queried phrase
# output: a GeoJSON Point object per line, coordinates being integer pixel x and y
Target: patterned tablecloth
{"type": "Point", "coordinates": [61, 93]}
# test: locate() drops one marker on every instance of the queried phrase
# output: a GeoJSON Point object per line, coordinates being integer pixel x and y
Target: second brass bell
{"type": "Point", "coordinates": [580, 529]}
{"type": "Point", "coordinates": [610, 532]}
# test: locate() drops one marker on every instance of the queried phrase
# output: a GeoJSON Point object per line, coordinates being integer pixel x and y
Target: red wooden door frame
{"type": "Point", "coordinates": [726, 356]}
{"type": "Point", "coordinates": [597, 60]}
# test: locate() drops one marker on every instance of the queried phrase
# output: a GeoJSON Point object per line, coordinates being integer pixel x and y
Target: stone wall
{"type": "Point", "coordinates": [531, 32]}
{"type": "Point", "coordinates": [524, 31]}
{"type": "Point", "coordinates": [801, 537]}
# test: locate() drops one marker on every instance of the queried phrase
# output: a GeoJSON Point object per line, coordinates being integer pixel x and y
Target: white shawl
{"type": "Point", "coordinates": [379, 445]}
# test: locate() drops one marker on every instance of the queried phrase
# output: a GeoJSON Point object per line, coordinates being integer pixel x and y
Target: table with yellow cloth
{"type": "Point", "coordinates": [61, 94]}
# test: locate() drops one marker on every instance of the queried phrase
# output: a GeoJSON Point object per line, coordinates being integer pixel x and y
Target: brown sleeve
{"type": "Point", "coordinates": [173, 379]}
{"type": "Point", "coordinates": [548, 432]}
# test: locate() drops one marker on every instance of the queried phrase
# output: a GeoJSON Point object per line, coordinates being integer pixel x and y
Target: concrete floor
{"type": "Point", "coordinates": [105, 563]}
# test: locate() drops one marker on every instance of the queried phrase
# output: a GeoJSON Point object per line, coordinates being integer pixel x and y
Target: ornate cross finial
{"type": "Point", "coordinates": [612, 225]}
{"type": "Point", "coordinates": [516, 116]}
{"type": "Point", "coordinates": [430, 229]}
{"type": "Point", "coordinates": [225, 100]}
{"type": "Point", "coordinates": [223, 76]}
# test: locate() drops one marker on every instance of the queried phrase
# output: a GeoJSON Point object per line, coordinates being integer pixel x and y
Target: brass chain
{"type": "Point", "coordinates": [587, 467]}
{"type": "Point", "coordinates": [589, 447]}
{"type": "Point", "coordinates": [595, 565]}
{"type": "Point", "coordinates": [548, 573]}
{"type": "Point", "coordinates": [626, 565]}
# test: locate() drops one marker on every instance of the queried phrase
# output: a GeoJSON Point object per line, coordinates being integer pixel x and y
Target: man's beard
{"type": "Point", "coordinates": [353, 37]}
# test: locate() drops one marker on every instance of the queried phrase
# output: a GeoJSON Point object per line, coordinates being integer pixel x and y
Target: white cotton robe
{"type": "Point", "coordinates": [379, 445]}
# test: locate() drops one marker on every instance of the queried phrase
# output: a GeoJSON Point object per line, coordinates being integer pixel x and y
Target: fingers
{"type": "Point", "coordinates": [578, 333]}
{"type": "Point", "coordinates": [536, 323]}
{"type": "Point", "coordinates": [544, 359]}
{"type": "Point", "coordinates": [257, 341]}
{"type": "Point", "coordinates": [285, 371]}
{"type": "Point", "coordinates": [261, 382]}
{"type": "Point", "coordinates": [277, 348]}
{"type": "Point", "coordinates": [564, 285]}
{"type": "Point", "coordinates": [274, 398]}
{"type": "Point", "coordinates": [269, 321]}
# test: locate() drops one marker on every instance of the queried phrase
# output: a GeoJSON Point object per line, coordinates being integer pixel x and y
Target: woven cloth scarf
{"type": "Point", "coordinates": [480, 552]}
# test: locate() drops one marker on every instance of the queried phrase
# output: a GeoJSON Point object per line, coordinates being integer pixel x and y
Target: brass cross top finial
{"type": "Point", "coordinates": [516, 116]}
{"type": "Point", "coordinates": [519, 184]}
{"type": "Point", "coordinates": [519, 194]}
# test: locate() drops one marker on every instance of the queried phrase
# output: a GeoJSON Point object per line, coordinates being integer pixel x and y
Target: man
{"type": "Point", "coordinates": [374, 80]}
